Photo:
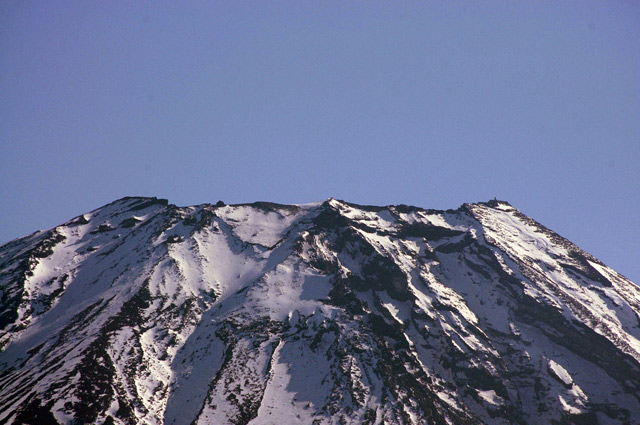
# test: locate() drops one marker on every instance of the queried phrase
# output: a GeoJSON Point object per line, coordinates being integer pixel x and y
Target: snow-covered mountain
{"type": "Point", "coordinates": [142, 312]}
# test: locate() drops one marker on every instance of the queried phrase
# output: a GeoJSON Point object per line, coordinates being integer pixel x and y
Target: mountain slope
{"type": "Point", "coordinates": [327, 313]}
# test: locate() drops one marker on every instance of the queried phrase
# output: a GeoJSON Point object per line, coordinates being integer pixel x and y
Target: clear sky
{"type": "Point", "coordinates": [426, 103]}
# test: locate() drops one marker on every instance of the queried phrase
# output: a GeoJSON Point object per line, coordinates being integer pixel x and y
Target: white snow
{"type": "Point", "coordinates": [491, 397]}
{"type": "Point", "coordinates": [560, 372]}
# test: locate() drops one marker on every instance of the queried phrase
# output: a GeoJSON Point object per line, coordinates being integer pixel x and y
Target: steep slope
{"type": "Point", "coordinates": [327, 313]}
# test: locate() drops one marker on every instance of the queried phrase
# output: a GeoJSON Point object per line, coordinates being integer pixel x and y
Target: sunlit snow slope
{"type": "Point", "coordinates": [142, 312]}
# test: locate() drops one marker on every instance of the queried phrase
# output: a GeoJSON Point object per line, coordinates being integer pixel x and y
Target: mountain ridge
{"type": "Point", "coordinates": [144, 312]}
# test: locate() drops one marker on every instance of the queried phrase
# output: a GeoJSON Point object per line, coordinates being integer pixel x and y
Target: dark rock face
{"type": "Point", "coordinates": [141, 312]}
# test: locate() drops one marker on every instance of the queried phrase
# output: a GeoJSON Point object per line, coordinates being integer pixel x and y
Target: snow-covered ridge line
{"type": "Point", "coordinates": [330, 313]}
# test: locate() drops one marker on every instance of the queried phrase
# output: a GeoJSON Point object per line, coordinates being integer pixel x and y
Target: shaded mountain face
{"type": "Point", "coordinates": [142, 312]}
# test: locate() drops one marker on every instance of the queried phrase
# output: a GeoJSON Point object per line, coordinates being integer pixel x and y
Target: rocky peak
{"type": "Point", "coordinates": [326, 313]}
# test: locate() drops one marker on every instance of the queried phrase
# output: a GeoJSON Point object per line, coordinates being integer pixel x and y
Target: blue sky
{"type": "Point", "coordinates": [426, 103]}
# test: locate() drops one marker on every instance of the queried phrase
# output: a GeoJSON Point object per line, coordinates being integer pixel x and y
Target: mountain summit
{"type": "Point", "coordinates": [142, 312]}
